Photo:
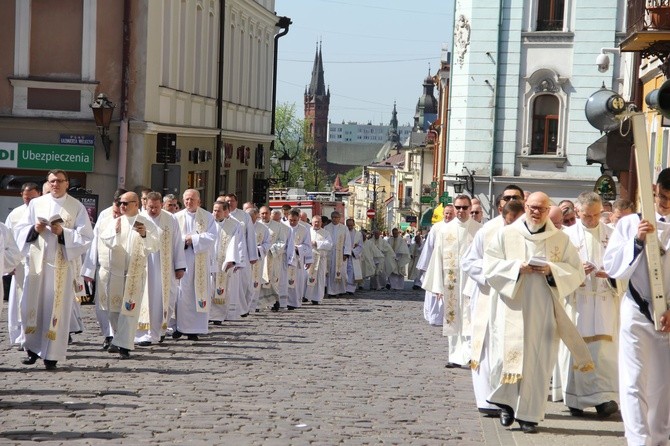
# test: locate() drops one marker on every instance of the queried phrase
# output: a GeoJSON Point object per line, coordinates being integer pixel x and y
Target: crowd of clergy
{"type": "Point", "coordinates": [551, 300]}
{"type": "Point", "coordinates": [543, 299]}
{"type": "Point", "coordinates": [158, 271]}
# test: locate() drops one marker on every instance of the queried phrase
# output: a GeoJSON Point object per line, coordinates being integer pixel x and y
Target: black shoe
{"type": "Point", "coordinates": [290, 308]}
{"type": "Point", "coordinates": [493, 413]}
{"type": "Point", "coordinates": [244, 315]}
{"type": "Point", "coordinates": [416, 287]}
{"type": "Point", "coordinates": [161, 339]}
{"type": "Point", "coordinates": [124, 353]}
{"type": "Point", "coordinates": [305, 300]}
{"type": "Point", "coordinates": [453, 365]}
{"type": "Point", "coordinates": [217, 322]}
{"type": "Point", "coordinates": [31, 359]}
{"type": "Point", "coordinates": [144, 343]}
{"type": "Point", "coordinates": [192, 337]}
{"type": "Point", "coordinates": [576, 412]}
{"type": "Point", "coordinates": [349, 293]}
{"type": "Point", "coordinates": [107, 342]}
{"type": "Point", "coordinates": [315, 302]}
{"type": "Point", "coordinates": [275, 307]}
{"type": "Point", "coordinates": [506, 416]}
{"type": "Point", "coordinates": [176, 334]}
{"type": "Point", "coordinates": [527, 427]}
{"type": "Point", "coordinates": [113, 349]}
{"type": "Point", "coordinates": [257, 310]}
{"type": "Point", "coordinates": [388, 287]}
{"type": "Point", "coordinates": [49, 364]}
{"type": "Point", "coordinates": [69, 340]}
{"type": "Point", "coordinates": [606, 409]}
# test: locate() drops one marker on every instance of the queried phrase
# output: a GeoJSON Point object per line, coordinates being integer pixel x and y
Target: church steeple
{"type": "Point", "coordinates": [317, 86]}
{"type": "Point", "coordinates": [317, 102]}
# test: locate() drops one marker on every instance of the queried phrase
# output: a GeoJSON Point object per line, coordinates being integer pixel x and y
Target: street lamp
{"type": "Point", "coordinates": [465, 181]}
{"type": "Point", "coordinates": [103, 109]}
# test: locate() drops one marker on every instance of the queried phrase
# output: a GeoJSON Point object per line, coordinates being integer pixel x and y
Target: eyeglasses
{"type": "Point", "coordinates": [461, 208]}
{"type": "Point", "coordinates": [475, 212]}
{"type": "Point", "coordinates": [125, 203]}
{"type": "Point", "coordinates": [539, 209]}
{"type": "Point", "coordinates": [56, 181]}
{"type": "Point", "coordinates": [511, 197]}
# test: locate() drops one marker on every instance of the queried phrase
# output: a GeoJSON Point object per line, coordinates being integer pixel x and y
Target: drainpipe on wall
{"type": "Point", "coordinates": [125, 73]}
{"type": "Point", "coordinates": [219, 104]}
{"type": "Point", "coordinates": [495, 113]}
{"type": "Point", "coordinates": [283, 22]}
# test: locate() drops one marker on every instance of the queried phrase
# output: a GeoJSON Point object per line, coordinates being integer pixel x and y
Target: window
{"type": "Point", "coordinates": [550, 15]}
{"type": "Point", "coordinates": [545, 125]}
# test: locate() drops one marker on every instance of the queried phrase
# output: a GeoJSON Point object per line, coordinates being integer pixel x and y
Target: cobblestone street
{"type": "Point", "coordinates": [362, 370]}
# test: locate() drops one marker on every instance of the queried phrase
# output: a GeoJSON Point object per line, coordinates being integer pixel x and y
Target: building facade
{"type": "Point", "coordinates": [521, 74]}
{"type": "Point", "coordinates": [177, 67]}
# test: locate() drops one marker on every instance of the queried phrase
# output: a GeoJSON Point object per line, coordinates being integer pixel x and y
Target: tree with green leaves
{"type": "Point", "coordinates": [292, 140]}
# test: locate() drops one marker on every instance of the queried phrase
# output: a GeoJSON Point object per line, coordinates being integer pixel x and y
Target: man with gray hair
{"type": "Point", "coordinates": [593, 308]}
{"type": "Point", "coordinates": [338, 256]}
{"type": "Point", "coordinates": [262, 246]}
{"type": "Point", "coordinates": [274, 285]}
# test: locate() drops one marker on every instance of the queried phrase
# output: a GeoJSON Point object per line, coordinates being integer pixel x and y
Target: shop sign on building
{"type": "Point", "coordinates": [46, 156]}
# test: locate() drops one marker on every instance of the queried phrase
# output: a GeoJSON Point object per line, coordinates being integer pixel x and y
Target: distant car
{"type": "Point", "coordinates": [14, 182]}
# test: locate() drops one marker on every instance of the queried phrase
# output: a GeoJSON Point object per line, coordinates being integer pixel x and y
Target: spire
{"type": "Point", "coordinates": [394, 118]}
{"type": "Point", "coordinates": [317, 86]}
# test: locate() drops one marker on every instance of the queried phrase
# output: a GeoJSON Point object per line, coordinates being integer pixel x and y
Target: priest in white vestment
{"type": "Point", "coordinates": [262, 240]}
{"type": "Point", "coordinates": [10, 256]}
{"type": "Point", "coordinates": [16, 336]}
{"type": "Point", "coordinates": [322, 245]}
{"type": "Point", "coordinates": [371, 254]}
{"type": "Point", "coordinates": [248, 244]}
{"type": "Point", "coordinates": [164, 270]}
{"type": "Point", "coordinates": [483, 306]}
{"type": "Point", "coordinates": [228, 300]}
{"type": "Point", "coordinates": [433, 308]}
{"type": "Point", "coordinates": [130, 239]}
{"type": "Point", "coordinates": [339, 255]}
{"type": "Point", "coordinates": [354, 268]}
{"type": "Point", "coordinates": [298, 259]}
{"type": "Point", "coordinates": [414, 274]}
{"type": "Point", "coordinates": [383, 264]}
{"type": "Point", "coordinates": [594, 309]}
{"type": "Point", "coordinates": [445, 278]}
{"type": "Point", "coordinates": [199, 232]}
{"type": "Point", "coordinates": [644, 352]}
{"type": "Point", "coordinates": [532, 265]}
{"type": "Point", "coordinates": [275, 276]}
{"type": "Point", "coordinates": [54, 231]}
{"type": "Point", "coordinates": [401, 259]}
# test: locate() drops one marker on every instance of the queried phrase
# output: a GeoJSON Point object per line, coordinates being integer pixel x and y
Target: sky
{"type": "Point", "coordinates": [374, 52]}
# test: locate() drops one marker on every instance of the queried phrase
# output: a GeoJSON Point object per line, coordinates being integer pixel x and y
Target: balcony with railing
{"type": "Point", "coordinates": [648, 28]}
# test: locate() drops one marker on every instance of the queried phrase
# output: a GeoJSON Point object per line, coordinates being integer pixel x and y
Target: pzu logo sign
{"type": "Point", "coordinates": [8, 154]}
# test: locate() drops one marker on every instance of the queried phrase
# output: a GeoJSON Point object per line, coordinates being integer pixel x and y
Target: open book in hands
{"type": "Point", "coordinates": [538, 261]}
{"type": "Point", "coordinates": [53, 220]}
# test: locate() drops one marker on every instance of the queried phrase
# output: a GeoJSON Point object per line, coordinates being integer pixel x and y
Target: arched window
{"type": "Point", "coordinates": [550, 15]}
{"type": "Point", "coordinates": [545, 125]}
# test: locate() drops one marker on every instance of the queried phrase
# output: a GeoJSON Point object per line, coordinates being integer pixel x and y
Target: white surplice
{"type": "Point", "coordinates": [354, 267]}
{"type": "Point", "coordinates": [322, 245]}
{"type": "Point", "coordinates": [644, 353]}
{"type": "Point", "coordinates": [275, 277]}
{"type": "Point", "coordinates": [337, 264]}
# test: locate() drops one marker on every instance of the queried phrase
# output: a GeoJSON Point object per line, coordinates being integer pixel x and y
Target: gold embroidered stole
{"type": "Point", "coordinates": [200, 270]}
{"type": "Point", "coordinates": [166, 229]}
{"type": "Point", "coordinates": [513, 338]}
{"type": "Point", "coordinates": [257, 268]}
{"type": "Point", "coordinates": [61, 268]}
{"type": "Point", "coordinates": [339, 253]}
{"type": "Point", "coordinates": [315, 267]}
{"type": "Point", "coordinates": [269, 277]}
{"type": "Point", "coordinates": [226, 232]}
{"type": "Point", "coordinates": [451, 252]}
{"type": "Point", "coordinates": [133, 290]}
